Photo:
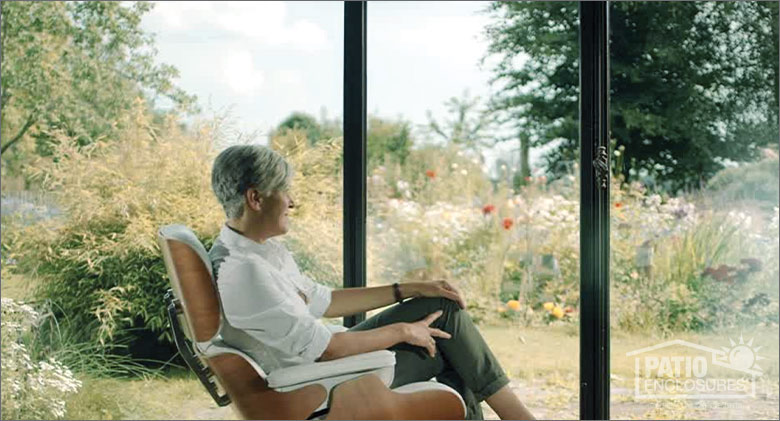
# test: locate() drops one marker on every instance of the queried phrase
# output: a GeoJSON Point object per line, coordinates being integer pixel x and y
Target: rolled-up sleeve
{"type": "Point", "coordinates": [262, 310]}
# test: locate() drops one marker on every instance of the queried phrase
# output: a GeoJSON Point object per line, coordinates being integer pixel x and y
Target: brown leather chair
{"type": "Point", "coordinates": [355, 387]}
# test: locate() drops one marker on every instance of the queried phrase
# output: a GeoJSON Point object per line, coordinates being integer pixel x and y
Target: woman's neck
{"type": "Point", "coordinates": [247, 229]}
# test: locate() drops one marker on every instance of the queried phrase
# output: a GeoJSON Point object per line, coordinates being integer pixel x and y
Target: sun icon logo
{"type": "Point", "coordinates": [742, 356]}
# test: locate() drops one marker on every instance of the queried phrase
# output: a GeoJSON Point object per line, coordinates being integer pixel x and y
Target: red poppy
{"type": "Point", "coordinates": [430, 174]}
{"type": "Point", "coordinates": [488, 209]}
{"type": "Point", "coordinates": [508, 223]}
{"type": "Point", "coordinates": [618, 205]}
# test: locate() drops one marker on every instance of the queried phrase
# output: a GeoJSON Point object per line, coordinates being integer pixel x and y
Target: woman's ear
{"type": "Point", "coordinates": [254, 199]}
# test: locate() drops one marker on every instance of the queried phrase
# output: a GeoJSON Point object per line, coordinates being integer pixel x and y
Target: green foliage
{"type": "Point", "coordinates": [691, 82]}
{"type": "Point", "coordinates": [74, 67]}
{"type": "Point", "coordinates": [32, 387]}
{"type": "Point", "coordinates": [387, 140]}
{"type": "Point", "coordinates": [756, 182]}
{"type": "Point", "coordinates": [99, 265]}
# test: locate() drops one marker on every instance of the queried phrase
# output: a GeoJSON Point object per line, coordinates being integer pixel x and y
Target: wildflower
{"type": "Point", "coordinates": [548, 306]}
{"type": "Point", "coordinates": [501, 309]}
{"type": "Point", "coordinates": [513, 304]}
{"type": "Point", "coordinates": [488, 209]}
{"type": "Point", "coordinates": [528, 179]}
{"type": "Point", "coordinates": [557, 312]}
{"type": "Point", "coordinates": [430, 174]}
{"type": "Point", "coordinates": [568, 310]}
{"type": "Point", "coordinates": [464, 172]}
{"type": "Point", "coordinates": [618, 205]}
{"type": "Point", "coordinates": [508, 223]}
{"type": "Point", "coordinates": [634, 274]}
{"type": "Point", "coordinates": [542, 179]}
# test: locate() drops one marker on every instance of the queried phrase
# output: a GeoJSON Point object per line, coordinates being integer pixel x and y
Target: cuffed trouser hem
{"type": "Point", "coordinates": [491, 388]}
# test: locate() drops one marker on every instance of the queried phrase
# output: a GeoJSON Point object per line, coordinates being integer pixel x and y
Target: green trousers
{"type": "Point", "coordinates": [463, 362]}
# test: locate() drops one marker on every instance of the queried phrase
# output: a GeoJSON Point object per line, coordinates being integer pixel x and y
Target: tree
{"type": "Point", "coordinates": [467, 126]}
{"type": "Point", "coordinates": [303, 122]}
{"type": "Point", "coordinates": [387, 139]}
{"type": "Point", "coordinates": [75, 67]}
{"type": "Point", "coordinates": [690, 82]}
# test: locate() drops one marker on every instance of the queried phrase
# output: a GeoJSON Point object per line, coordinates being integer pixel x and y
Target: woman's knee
{"type": "Point", "coordinates": [433, 304]}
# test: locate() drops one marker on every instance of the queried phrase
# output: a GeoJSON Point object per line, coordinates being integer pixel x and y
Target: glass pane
{"type": "Point", "coordinates": [694, 296]}
{"type": "Point", "coordinates": [463, 184]}
{"type": "Point", "coordinates": [114, 135]}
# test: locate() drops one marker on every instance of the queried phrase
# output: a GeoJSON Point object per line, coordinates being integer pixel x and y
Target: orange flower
{"type": "Point", "coordinates": [488, 209]}
{"type": "Point", "coordinates": [501, 309]}
{"type": "Point", "coordinates": [557, 312]}
{"type": "Point", "coordinates": [430, 174]}
{"type": "Point", "coordinates": [568, 310]}
{"type": "Point", "coordinates": [508, 223]}
{"type": "Point", "coordinates": [513, 304]}
{"type": "Point", "coordinates": [548, 306]}
{"type": "Point", "coordinates": [618, 205]}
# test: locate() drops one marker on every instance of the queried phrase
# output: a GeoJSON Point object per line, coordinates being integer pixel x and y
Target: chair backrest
{"type": "Point", "coordinates": [192, 281]}
{"type": "Point", "coordinates": [193, 284]}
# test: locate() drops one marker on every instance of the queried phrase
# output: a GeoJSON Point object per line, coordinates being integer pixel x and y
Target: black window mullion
{"type": "Point", "coordinates": [594, 210]}
{"type": "Point", "coordinates": [354, 149]}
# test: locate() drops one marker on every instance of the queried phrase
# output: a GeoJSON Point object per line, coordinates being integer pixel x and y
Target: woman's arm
{"type": "Point", "coordinates": [349, 301]}
{"type": "Point", "coordinates": [344, 344]}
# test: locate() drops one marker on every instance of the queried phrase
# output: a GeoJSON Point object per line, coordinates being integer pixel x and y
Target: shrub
{"type": "Point", "coordinates": [99, 264]}
{"type": "Point", "coordinates": [756, 181]}
{"type": "Point", "coordinates": [31, 388]}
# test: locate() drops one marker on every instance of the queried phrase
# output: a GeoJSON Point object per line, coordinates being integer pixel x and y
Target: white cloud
{"type": "Point", "coordinates": [265, 23]}
{"type": "Point", "coordinates": [239, 74]}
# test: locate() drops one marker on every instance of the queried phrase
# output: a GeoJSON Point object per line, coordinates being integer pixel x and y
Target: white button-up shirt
{"type": "Point", "coordinates": [265, 295]}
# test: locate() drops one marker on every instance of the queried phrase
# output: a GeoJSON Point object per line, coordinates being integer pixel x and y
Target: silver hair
{"type": "Point", "coordinates": [240, 167]}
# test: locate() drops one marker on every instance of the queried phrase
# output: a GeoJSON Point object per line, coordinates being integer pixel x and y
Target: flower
{"type": "Point", "coordinates": [568, 310]}
{"type": "Point", "coordinates": [508, 223]}
{"type": "Point", "coordinates": [488, 209]}
{"type": "Point", "coordinates": [528, 179]}
{"type": "Point", "coordinates": [548, 306]}
{"type": "Point", "coordinates": [557, 312]}
{"type": "Point", "coordinates": [618, 205]}
{"type": "Point", "coordinates": [513, 304]}
{"type": "Point", "coordinates": [430, 174]}
{"type": "Point", "coordinates": [501, 309]}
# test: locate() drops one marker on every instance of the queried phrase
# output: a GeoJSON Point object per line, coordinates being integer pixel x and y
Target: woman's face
{"type": "Point", "coordinates": [275, 213]}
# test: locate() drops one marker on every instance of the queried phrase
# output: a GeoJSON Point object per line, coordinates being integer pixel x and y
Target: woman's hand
{"type": "Point", "coordinates": [439, 289]}
{"type": "Point", "coordinates": [421, 334]}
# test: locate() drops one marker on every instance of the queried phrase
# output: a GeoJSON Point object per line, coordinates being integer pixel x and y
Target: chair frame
{"type": "Point", "coordinates": [245, 384]}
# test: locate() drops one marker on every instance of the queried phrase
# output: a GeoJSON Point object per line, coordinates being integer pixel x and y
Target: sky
{"type": "Point", "coordinates": [264, 60]}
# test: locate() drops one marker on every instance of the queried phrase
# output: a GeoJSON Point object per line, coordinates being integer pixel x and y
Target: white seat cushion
{"type": "Point", "coordinates": [306, 373]}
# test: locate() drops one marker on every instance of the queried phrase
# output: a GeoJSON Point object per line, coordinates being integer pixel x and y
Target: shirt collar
{"type": "Point", "coordinates": [234, 239]}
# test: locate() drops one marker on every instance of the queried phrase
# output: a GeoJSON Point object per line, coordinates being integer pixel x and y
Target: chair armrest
{"type": "Point", "coordinates": [307, 373]}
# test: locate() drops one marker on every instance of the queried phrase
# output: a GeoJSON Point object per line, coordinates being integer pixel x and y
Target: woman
{"type": "Point", "coordinates": [277, 309]}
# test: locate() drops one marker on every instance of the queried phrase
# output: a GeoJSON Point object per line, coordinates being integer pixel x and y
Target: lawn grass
{"type": "Point", "coordinates": [544, 372]}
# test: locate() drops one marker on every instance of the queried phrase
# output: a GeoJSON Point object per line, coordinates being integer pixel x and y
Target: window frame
{"type": "Point", "coordinates": [594, 188]}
